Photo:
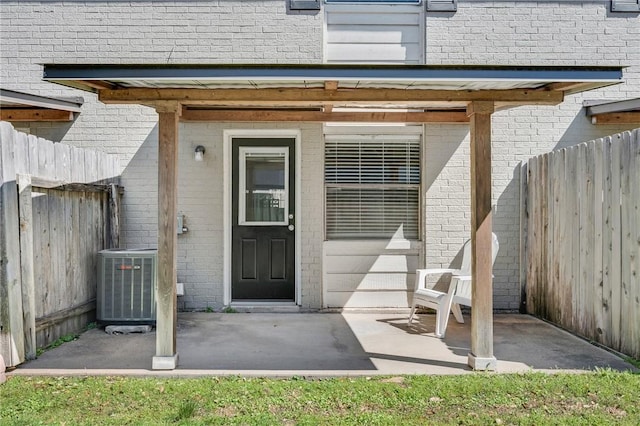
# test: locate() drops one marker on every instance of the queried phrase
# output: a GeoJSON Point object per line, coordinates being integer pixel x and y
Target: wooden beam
{"type": "Point", "coordinates": [629, 117]}
{"type": "Point", "coordinates": [35, 114]}
{"type": "Point", "coordinates": [299, 97]}
{"type": "Point", "coordinates": [481, 356]}
{"type": "Point", "coordinates": [564, 86]}
{"type": "Point", "coordinates": [453, 117]}
{"type": "Point", "coordinates": [98, 84]}
{"type": "Point", "coordinates": [60, 316]}
{"type": "Point", "coordinates": [40, 183]}
{"type": "Point", "coordinates": [331, 85]}
{"type": "Point", "coordinates": [166, 357]}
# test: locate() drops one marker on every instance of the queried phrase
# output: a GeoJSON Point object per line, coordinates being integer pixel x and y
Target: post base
{"type": "Point", "coordinates": [482, 363]}
{"type": "Point", "coordinates": [164, 362]}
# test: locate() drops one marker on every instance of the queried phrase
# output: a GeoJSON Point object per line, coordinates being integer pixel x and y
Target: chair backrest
{"type": "Point", "coordinates": [462, 293]}
{"type": "Point", "coordinates": [465, 268]}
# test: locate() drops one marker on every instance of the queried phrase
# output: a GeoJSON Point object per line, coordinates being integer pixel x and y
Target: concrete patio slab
{"type": "Point", "coordinates": [323, 344]}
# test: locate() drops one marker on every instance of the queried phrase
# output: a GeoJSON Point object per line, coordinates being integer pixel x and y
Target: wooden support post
{"type": "Point", "coordinates": [166, 316]}
{"type": "Point", "coordinates": [481, 356]}
{"type": "Point", "coordinates": [27, 265]}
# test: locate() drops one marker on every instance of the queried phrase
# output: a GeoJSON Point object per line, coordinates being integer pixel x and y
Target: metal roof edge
{"type": "Point", "coordinates": [605, 107]}
{"type": "Point", "coordinates": [60, 72]}
{"type": "Point", "coordinates": [27, 99]}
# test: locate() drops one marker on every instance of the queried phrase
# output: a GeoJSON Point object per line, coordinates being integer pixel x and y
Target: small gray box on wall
{"type": "Point", "coordinates": [442, 5]}
{"type": "Point", "coordinates": [304, 4]}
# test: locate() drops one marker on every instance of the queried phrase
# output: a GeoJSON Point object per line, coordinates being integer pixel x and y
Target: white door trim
{"type": "Point", "coordinates": [228, 135]}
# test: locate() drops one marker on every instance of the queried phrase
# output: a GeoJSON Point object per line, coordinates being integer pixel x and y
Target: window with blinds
{"type": "Point", "coordinates": [372, 185]}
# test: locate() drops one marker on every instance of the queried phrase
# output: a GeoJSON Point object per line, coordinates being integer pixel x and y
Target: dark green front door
{"type": "Point", "coordinates": [263, 233]}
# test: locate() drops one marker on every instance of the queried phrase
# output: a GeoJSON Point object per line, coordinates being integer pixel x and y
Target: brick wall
{"type": "Point", "coordinates": [480, 32]}
{"type": "Point", "coordinates": [516, 33]}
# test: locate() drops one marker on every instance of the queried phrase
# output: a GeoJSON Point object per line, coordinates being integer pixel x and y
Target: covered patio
{"type": "Point", "coordinates": [321, 345]}
{"type": "Point", "coordinates": [330, 93]}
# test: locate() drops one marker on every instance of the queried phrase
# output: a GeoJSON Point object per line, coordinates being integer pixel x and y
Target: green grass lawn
{"type": "Point", "coordinates": [603, 397]}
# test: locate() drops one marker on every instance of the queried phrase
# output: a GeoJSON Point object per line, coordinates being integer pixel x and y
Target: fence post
{"type": "Point", "coordinates": [26, 266]}
{"type": "Point", "coordinates": [114, 216]}
{"type": "Point", "coordinates": [524, 214]}
{"type": "Point", "coordinates": [11, 332]}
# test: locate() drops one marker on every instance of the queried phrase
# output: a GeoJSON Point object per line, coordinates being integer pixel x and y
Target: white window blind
{"type": "Point", "coordinates": [372, 186]}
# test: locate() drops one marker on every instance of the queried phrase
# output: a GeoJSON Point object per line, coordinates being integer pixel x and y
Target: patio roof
{"type": "Point", "coordinates": [20, 106]}
{"type": "Point", "coordinates": [311, 92]}
{"type": "Point", "coordinates": [294, 93]}
{"type": "Point", "coordinates": [614, 112]}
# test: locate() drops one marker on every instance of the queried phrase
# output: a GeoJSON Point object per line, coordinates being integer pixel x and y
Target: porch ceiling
{"type": "Point", "coordinates": [415, 93]}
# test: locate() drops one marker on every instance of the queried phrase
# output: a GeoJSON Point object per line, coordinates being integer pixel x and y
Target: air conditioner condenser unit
{"type": "Point", "coordinates": [126, 287]}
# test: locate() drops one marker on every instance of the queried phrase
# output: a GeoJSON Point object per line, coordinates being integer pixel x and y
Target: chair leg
{"type": "Point", "coordinates": [457, 313]}
{"type": "Point", "coordinates": [442, 319]}
{"type": "Point", "coordinates": [413, 311]}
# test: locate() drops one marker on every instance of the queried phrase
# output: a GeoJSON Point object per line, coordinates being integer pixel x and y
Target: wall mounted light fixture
{"type": "Point", "coordinates": [199, 153]}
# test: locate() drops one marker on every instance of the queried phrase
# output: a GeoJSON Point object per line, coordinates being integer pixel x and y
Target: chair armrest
{"type": "Point", "coordinates": [421, 275]}
{"type": "Point", "coordinates": [466, 277]}
{"type": "Point", "coordinates": [437, 271]}
{"type": "Point", "coordinates": [462, 277]}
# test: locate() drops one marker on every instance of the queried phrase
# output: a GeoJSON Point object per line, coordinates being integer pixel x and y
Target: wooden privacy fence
{"type": "Point", "coordinates": [59, 207]}
{"type": "Point", "coordinates": [581, 239]}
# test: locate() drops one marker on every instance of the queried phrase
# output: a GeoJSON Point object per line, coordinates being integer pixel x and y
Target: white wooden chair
{"type": "Point", "coordinates": [459, 292]}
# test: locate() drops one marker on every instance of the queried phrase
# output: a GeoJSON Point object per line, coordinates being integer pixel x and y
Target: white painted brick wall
{"type": "Point", "coordinates": [200, 200]}
{"type": "Point", "coordinates": [480, 32]}
{"type": "Point", "coordinates": [516, 33]}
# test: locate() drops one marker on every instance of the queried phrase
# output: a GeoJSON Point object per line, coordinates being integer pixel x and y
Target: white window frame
{"type": "Point", "coordinates": [335, 134]}
{"type": "Point", "coordinates": [276, 152]}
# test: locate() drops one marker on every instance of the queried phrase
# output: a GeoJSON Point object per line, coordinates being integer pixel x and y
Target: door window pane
{"type": "Point", "coordinates": [265, 198]}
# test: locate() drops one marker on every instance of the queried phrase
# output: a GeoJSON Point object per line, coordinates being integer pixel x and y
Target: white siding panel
{"type": "Point", "coordinates": [374, 34]}
{"type": "Point", "coordinates": [373, 52]}
{"type": "Point", "coordinates": [369, 274]}
{"type": "Point", "coordinates": [368, 34]}
{"type": "Point", "coordinates": [369, 299]}
{"type": "Point", "coordinates": [371, 264]}
{"type": "Point", "coordinates": [372, 281]}
{"type": "Point", "coordinates": [372, 17]}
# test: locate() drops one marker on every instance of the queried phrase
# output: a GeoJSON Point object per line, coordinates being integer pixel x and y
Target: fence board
{"type": "Point", "coordinates": [549, 288]}
{"type": "Point", "coordinates": [597, 205]}
{"type": "Point", "coordinates": [634, 312]}
{"type": "Point", "coordinates": [11, 334]}
{"type": "Point", "coordinates": [522, 248]}
{"type": "Point", "coordinates": [588, 242]}
{"type": "Point", "coordinates": [555, 237]}
{"type": "Point", "coordinates": [616, 240]}
{"type": "Point", "coordinates": [574, 224]}
{"type": "Point", "coordinates": [532, 229]}
{"type": "Point", "coordinates": [34, 156]}
{"type": "Point", "coordinates": [607, 242]}
{"type": "Point", "coordinates": [627, 250]}
{"type": "Point", "coordinates": [582, 244]}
